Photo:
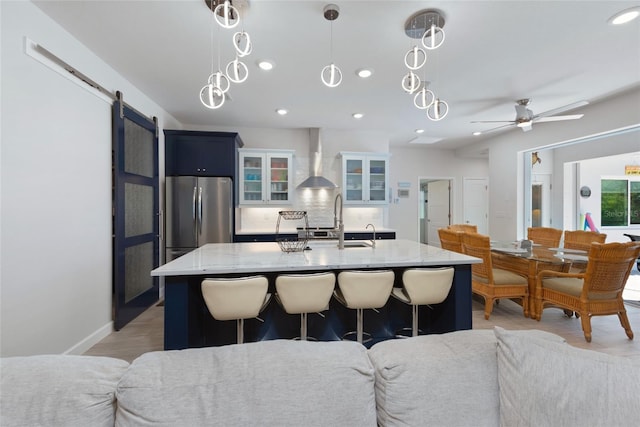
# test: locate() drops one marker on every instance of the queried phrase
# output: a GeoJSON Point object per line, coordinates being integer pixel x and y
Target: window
{"type": "Point", "coordinates": [620, 202]}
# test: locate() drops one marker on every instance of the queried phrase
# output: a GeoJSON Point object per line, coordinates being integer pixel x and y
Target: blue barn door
{"type": "Point", "coordinates": [135, 213]}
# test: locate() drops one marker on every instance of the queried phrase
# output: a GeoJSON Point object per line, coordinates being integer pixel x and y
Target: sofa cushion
{"type": "Point", "coordinates": [278, 382]}
{"type": "Point", "coordinates": [445, 380]}
{"type": "Point", "coordinates": [546, 383]}
{"type": "Point", "coordinates": [59, 390]}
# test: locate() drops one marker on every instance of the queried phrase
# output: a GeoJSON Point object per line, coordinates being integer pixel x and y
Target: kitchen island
{"type": "Point", "coordinates": [189, 324]}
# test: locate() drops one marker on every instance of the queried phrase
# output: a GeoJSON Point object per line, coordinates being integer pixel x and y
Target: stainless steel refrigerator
{"type": "Point", "coordinates": [199, 211]}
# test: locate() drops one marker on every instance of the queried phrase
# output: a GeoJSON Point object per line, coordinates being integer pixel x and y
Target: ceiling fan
{"type": "Point", "coordinates": [525, 117]}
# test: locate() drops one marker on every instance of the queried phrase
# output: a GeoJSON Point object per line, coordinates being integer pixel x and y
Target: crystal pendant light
{"type": "Point", "coordinates": [427, 26]}
{"type": "Point", "coordinates": [424, 98]}
{"type": "Point", "coordinates": [226, 15]}
{"type": "Point", "coordinates": [433, 37]}
{"type": "Point", "coordinates": [237, 71]}
{"type": "Point", "coordinates": [415, 58]}
{"type": "Point", "coordinates": [410, 82]}
{"type": "Point", "coordinates": [242, 43]}
{"type": "Point", "coordinates": [331, 75]}
{"type": "Point", "coordinates": [438, 110]}
{"type": "Point", "coordinates": [212, 95]}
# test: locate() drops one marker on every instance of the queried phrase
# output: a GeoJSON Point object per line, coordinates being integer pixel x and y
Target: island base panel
{"type": "Point", "coordinates": [188, 322]}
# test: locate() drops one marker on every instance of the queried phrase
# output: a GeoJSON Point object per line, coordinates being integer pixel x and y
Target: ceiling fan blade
{"type": "Point", "coordinates": [493, 121]}
{"type": "Point", "coordinates": [558, 118]}
{"type": "Point", "coordinates": [497, 128]}
{"type": "Point", "coordinates": [562, 109]}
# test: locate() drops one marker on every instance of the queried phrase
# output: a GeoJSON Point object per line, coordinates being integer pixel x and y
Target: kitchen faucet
{"type": "Point", "coordinates": [373, 241]}
{"type": "Point", "coordinates": [338, 224]}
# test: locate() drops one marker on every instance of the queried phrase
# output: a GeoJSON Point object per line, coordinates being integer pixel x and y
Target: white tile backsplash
{"type": "Point", "coordinates": [319, 206]}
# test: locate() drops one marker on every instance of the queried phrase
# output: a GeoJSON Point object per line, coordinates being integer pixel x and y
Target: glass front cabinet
{"type": "Point", "coordinates": [266, 177]}
{"type": "Point", "coordinates": [365, 178]}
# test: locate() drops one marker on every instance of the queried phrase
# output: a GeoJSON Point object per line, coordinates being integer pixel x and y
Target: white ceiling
{"type": "Point", "coordinates": [555, 52]}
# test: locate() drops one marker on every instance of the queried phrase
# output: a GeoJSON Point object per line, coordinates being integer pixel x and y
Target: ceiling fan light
{"type": "Point", "coordinates": [523, 123]}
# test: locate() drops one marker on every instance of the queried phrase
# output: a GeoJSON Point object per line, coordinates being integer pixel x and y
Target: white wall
{"type": "Point", "coordinates": [55, 220]}
{"type": "Point", "coordinates": [410, 163]}
{"type": "Point", "coordinates": [506, 190]}
{"type": "Point", "coordinates": [600, 149]}
{"type": "Point", "coordinates": [590, 174]}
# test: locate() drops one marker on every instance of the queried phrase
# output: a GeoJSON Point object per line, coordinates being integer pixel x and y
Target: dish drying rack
{"type": "Point", "coordinates": [288, 245]}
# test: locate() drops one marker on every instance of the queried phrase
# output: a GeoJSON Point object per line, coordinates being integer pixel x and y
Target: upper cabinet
{"type": "Point", "coordinates": [201, 153]}
{"type": "Point", "coordinates": [365, 178]}
{"type": "Point", "coordinates": [266, 177]}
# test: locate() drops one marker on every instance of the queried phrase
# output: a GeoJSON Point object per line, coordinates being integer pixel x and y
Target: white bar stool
{"type": "Point", "coordinates": [423, 286]}
{"type": "Point", "coordinates": [305, 293]}
{"type": "Point", "coordinates": [364, 289]}
{"type": "Point", "coordinates": [236, 299]}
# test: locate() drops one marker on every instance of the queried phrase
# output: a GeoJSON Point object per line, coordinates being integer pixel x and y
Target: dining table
{"type": "Point", "coordinates": [529, 261]}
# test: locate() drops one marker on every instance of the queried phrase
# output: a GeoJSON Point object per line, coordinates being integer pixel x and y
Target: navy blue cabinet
{"type": "Point", "coordinates": [201, 153]}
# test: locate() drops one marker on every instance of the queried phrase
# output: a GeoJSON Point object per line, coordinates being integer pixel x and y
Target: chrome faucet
{"type": "Point", "coordinates": [373, 241]}
{"type": "Point", "coordinates": [338, 224]}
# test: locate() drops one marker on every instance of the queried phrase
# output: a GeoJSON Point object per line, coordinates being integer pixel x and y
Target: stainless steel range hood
{"type": "Point", "coordinates": [316, 180]}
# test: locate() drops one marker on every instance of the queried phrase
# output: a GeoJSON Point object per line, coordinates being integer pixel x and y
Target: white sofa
{"type": "Point", "coordinates": [465, 378]}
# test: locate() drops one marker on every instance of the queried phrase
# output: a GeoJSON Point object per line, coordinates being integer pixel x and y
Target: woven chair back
{"type": "Point", "coordinates": [450, 240]}
{"type": "Point", "coordinates": [609, 267]}
{"type": "Point", "coordinates": [581, 239]}
{"type": "Point", "coordinates": [545, 236]}
{"type": "Point", "coordinates": [465, 228]}
{"type": "Point", "coordinates": [479, 246]}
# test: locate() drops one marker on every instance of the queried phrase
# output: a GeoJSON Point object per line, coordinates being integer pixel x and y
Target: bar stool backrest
{"type": "Point", "coordinates": [366, 289]}
{"type": "Point", "coordinates": [427, 285]}
{"type": "Point", "coordinates": [235, 298]}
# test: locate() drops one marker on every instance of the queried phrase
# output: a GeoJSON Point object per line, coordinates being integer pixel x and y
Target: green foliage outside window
{"type": "Point", "coordinates": [614, 202]}
{"type": "Point", "coordinates": [634, 202]}
{"type": "Point", "coordinates": [620, 202]}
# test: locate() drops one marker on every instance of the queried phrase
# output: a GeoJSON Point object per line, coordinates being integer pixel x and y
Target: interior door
{"type": "Point", "coordinates": [438, 209]}
{"type": "Point", "coordinates": [136, 248]}
{"type": "Point", "coordinates": [475, 205]}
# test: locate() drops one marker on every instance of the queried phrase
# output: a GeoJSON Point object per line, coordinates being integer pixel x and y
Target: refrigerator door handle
{"type": "Point", "coordinates": [199, 210]}
{"type": "Point", "coordinates": [194, 213]}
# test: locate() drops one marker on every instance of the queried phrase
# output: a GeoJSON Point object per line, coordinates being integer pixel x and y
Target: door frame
{"type": "Point", "coordinates": [423, 180]}
{"type": "Point", "coordinates": [481, 229]}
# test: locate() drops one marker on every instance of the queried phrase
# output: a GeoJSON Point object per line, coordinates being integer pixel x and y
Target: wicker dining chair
{"type": "Point", "coordinates": [450, 240]}
{"type": "Point", "coordinates": [597, 291]}
{"type": "Point", "coordinates": [489, 282]}
{"type": "Point", "coordinates": [545, 236]}
{"type": "Point", "coordinates": [465, 228]}
{"type": "Point", "coordinates": [581, 239]}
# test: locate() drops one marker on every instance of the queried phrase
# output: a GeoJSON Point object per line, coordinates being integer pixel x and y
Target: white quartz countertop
{"type": "Point", "coordinates": [294, 231]}
{"type": "Point", "coordinates": [224, 258]}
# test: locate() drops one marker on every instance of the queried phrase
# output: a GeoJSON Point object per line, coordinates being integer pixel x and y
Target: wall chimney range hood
{"type": "Point", "coordinates": [316, 180]}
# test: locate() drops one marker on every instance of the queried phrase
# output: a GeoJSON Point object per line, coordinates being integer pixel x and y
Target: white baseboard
{"type": "Point", "coordinates": [91, 340]}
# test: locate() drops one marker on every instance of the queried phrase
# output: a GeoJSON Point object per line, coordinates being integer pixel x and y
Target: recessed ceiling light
{"type": "Point", "coordinates": [625, 16]}
{"type": "Point", "coordinates": [265, 65]}
{"type": "Point", "coordinates": [419, 131]}
{"type": "Point", "coordinates": [357, 115]}
{"type": "Point", "coordinates": [476, 133]}
{"type": "Point", "coordinates": [364, 73]}
{"type": "Point", "coordinates": [282, 111]}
